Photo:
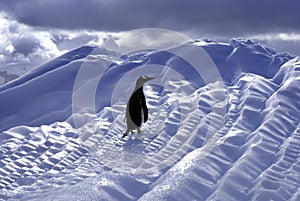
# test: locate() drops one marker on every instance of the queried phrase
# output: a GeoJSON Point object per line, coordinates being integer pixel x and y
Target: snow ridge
{"type": "Point", "coordinates": [249, 153]}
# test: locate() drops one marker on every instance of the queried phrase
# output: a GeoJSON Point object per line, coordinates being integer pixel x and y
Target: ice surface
{"type": "Point", "coordinates": [237, 140]}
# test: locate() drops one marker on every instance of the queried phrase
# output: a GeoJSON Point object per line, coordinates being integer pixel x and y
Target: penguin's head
{"type": "Point", "coordinates": [143, 79]}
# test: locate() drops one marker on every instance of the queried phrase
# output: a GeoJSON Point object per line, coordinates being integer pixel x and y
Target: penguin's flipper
{"type": "Point", "coordinates": [145, 109]}
{"type": "Point", "coordinates": [135, 111]}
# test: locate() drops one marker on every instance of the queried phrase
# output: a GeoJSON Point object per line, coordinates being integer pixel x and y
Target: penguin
{"type": "Point", "coordinates": [136, 110]}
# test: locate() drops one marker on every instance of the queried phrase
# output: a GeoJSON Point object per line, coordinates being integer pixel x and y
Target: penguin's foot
{"type": "Point", "coordinates": [126, 133]}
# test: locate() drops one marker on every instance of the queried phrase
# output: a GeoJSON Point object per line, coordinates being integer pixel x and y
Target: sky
{"type": "Point", "coordinates": [34, 31]}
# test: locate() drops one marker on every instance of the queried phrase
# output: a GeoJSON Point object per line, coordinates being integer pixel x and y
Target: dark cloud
{"type": "Point", "coordinates": [212, 19]}
{"type": "Point", "coordinates": [23, 47]}
{"type": "Point", "coordinates": [216, 17]}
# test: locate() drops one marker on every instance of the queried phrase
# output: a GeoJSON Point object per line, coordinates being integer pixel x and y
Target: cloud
{"type": "Point", "coordinates": [35, 31]}
{"type": "Point", "coordinates": [279, 36]}
{"type": "Point", "coordinates": [23, 47]}
{"type": "Point", "coordinates": [282, 42]}
{"type": "Point", "coordinates": [205, 17]}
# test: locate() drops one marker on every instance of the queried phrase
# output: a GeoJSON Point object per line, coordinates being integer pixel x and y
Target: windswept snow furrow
{"type": "Point", "coordinates": [239, 125]}
{"type": "Point", "coordinates": [286, 128]}
{"type": "Point", "coordinates": [255, 133]}
{"type": "Point", "coordinates": [282, 177]}
{"type": "Point", "coordinates": [42, 154]}
{"type": "Point", "coordinates": [277, 126]}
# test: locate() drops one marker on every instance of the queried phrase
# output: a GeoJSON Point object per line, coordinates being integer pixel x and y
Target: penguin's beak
{"type": "Point", "coordinates": [149, 78]}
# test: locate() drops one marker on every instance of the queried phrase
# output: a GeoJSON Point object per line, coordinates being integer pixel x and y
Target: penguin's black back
{"type": "Point", "coordinates": [137, 103]}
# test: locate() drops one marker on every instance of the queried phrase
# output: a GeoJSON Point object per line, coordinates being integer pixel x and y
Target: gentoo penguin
{"type": "Point", "coordinates": [137, 111]}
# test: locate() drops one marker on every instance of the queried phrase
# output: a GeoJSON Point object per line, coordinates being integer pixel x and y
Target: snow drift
{"type": "Point", "coordinates": [253, 154]}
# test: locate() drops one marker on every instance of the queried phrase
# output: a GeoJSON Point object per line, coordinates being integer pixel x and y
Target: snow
{"type": "Point", "coordinates": [205, 140]}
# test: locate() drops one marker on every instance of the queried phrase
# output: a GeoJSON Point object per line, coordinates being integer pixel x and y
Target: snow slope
{"type": "Point", "coordinates": [237, 140]}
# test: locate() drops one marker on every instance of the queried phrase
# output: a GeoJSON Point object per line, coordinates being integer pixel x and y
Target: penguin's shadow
{"type": "Point", "coordinates": [136, 145]}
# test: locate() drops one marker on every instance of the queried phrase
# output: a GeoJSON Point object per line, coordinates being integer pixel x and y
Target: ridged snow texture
{"type": "Point", "coordinates": [255, 153]}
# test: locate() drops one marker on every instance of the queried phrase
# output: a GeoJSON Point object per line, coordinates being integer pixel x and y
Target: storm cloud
{"type": "Point", "coordinates": [35, 31]}
{"type": "Point", "coordinates": [206, 17]}
{"type": "Point", "coordinates": [23, 47]}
